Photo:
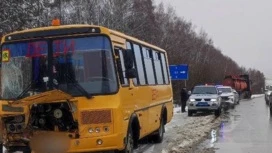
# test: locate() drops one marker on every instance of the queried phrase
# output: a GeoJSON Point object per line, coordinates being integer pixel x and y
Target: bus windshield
{"type": "Point", "coordinates": [86, 61]}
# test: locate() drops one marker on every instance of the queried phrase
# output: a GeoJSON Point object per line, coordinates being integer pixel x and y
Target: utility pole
{"type": "Point", "coordinates": [99, 14]}
{"type": "Point", "coordinates": [39, 13]}
{"type": "Point", "coordinates": [60, 11]}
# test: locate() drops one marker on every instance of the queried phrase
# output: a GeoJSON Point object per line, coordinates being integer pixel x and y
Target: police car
{"type": "Point", "coordinates": [204, 98]}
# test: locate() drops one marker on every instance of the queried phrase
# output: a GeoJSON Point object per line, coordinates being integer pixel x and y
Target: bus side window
{"type": "Point", "coordinates": [121, 67]}
{"type": "Point", "coordinates": [164, 68]}
{"type": "Point", "coordinates": [158, 67]}
{"type": "Point", "coordinates": [147, 54]}
{"type": "Point", "coordinates": [129, 46]}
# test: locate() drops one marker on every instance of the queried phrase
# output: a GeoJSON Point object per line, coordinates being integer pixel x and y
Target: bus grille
{"type": "Point", "coordinates": [96, 117]}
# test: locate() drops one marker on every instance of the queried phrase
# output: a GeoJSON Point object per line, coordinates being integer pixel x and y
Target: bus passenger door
{"type": "Point", "coordinates": [139, 89]}
{"type": "Point", "coordinates": [125, 92]}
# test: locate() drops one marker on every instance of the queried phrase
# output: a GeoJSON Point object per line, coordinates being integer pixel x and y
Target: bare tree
{"type": "Point", "coordinates": [140, 18]}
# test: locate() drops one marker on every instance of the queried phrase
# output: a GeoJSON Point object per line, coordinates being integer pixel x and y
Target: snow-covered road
{"type": "Point", "coordinates": [182, 133]}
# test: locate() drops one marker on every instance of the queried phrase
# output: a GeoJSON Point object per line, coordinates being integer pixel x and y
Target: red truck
{"type": "Point", "coordinates": [240, 83]}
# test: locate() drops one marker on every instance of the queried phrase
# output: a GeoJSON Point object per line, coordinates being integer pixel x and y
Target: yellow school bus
{"type": "Point", "coordinates": [82, 88]}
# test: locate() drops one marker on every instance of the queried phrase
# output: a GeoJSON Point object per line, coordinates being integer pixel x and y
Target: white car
{"type": "Point", "coordinates": [236, 95]}
{"type": "Point", "coordinates": [229, 96]}
{"type": "Point", "coordinates": [204, 98]}
{"type": "Point", "coordinates": [267, 93]}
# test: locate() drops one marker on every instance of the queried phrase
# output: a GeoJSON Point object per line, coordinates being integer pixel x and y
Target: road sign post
{"type": "Point", "coordinates": [179, 72]}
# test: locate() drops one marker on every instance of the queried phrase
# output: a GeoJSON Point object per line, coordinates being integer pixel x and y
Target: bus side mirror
{"type": "Point", "coordinates": [128, 59]}
{"type": "Point", "coordinates": [129, 64]}
{"type": "Point", "coordinates": [131, 73]}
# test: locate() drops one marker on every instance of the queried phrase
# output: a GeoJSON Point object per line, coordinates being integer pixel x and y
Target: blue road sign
{"type": "Point", "coordinates": [179, 72]}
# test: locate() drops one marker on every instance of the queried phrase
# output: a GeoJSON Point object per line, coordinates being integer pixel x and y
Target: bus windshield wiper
{"type": "Point", "coordinates": [25, 90]}
{"type": "Point", "coordinates": [79, 87]}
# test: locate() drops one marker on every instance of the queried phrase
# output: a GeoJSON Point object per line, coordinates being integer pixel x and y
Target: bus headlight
{"type": "Point", "coordinates": [99, 141]}
{"type": "Point", "coordinates": [106, 129]}
{"type": "Point", "coordinates": [91, 130]}
{"type": "Point", "coordinates": [97, 130]}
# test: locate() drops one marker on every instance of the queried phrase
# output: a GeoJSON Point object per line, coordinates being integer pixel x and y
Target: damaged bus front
{"type": "Point", "coordinates": [82, 88]}
{"type": "Point", "coordinates": [45, 78]}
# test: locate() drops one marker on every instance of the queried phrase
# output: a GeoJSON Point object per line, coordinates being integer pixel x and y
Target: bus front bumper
{"type": "Point", "coordinates": [109, 142]}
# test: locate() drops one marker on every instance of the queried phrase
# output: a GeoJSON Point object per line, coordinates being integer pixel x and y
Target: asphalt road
{"type": "Point", "coordinates": [248, 129]}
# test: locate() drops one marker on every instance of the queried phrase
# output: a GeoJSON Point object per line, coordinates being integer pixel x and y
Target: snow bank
{"type": "Point", "coordinates": [177, 109]}
{"type": "Point", "coordinates": [256, 96]}
{"type": "Point", "coordinates": [192, 133]}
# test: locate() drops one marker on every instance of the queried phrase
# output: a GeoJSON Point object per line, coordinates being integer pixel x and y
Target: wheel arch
{"type": "Point", "coordinates": [164, 113]}
{"type": "Point", "coordinates": [135, 125]}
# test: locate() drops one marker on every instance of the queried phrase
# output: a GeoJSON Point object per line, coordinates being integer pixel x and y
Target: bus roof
{"type": "Point", "coordinates": [75, 26]}
{"type": "Point", "coordinates": [122, 35]}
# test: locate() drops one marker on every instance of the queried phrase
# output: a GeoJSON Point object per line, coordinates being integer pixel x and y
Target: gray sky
{"type": "Point", "coordinates": [240, 28]}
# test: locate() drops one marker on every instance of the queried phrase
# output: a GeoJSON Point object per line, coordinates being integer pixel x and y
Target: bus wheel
{"type": "Point", "coordinates": [130, 143]}
{"type": "Point", "coordinates": [158, 137]}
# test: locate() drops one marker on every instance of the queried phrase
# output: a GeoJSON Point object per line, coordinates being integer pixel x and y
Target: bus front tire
{"type": "Point", "coordinates": [158, 137]}
{"type": "Point", "coordinates": [129, 143]}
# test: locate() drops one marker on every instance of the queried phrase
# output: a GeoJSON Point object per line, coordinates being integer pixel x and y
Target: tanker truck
{"type": "Point", "coordinates": [240, 83]}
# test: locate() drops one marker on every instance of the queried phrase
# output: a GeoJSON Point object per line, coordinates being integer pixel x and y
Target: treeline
{"type": "Point", "coordinates": [140, 18]}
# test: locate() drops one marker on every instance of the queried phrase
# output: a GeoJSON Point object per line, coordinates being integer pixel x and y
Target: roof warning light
{"type": "Point", "coordinates": [56, 22]}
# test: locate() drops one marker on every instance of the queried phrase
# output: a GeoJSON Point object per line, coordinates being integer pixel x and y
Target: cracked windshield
{"type": "Point", "coordinates": [87, 62]}
{"type": "Point", "coordinates": [135, 76]}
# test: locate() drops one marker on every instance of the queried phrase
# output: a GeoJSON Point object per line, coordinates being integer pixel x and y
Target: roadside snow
{"type": "Point", "coordinates": [193, 132]}
{"type": "Point", "coordinates": [256, 96]}
{"type": "Point", "coordinates": [177, 109]}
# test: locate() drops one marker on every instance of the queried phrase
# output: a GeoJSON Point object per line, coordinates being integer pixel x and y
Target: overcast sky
{"type": "Point", "coordinates": [242, 29]}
